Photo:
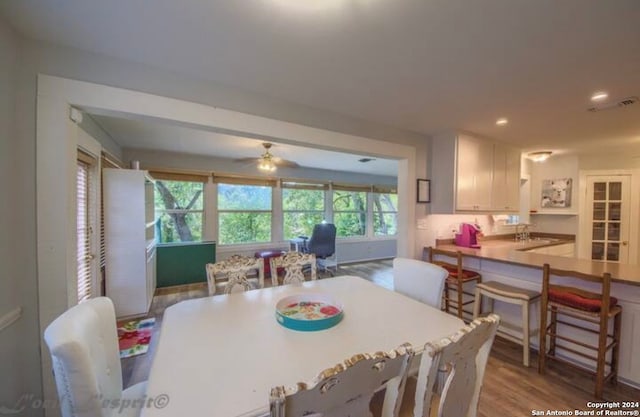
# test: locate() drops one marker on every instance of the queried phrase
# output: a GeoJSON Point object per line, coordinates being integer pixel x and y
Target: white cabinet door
{"type": "Point", "coordinates": [474, 174]}
{"type": "Point", "coordinates": [513, 179]}
{"type": "Point", "coordinates": [506, 179]}
{"type": "Point", "coordinates": [467, 165]}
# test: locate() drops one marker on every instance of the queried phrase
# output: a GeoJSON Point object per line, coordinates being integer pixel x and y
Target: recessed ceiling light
{"type": "Point", "coordinates": [502, 121]}
{"type": "Point", "coordinates": [599, 96]}
{"type": "Point", "coordinates": [539, 156]}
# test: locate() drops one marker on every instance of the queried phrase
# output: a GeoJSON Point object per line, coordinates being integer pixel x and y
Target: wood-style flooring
{"type": "Point", "coordinates": [509, 389]}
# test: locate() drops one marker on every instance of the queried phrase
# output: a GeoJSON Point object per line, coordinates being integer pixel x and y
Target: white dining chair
{"type": "Point", "coordinates": [419, 280]}
{"type": "Point", "coordinates": [294, 264]}
{"type": "Point", "coordinates": [83, 343]}
{"type": "Point", "coordinates": [233, 273]}
{"type": "Point", "coordinates": [463, 358]}
{"type": "Point", "coordinates": [347, 388]}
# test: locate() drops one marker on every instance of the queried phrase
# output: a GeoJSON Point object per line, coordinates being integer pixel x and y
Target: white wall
{"type": "Point", "coordinates": [36, 57]}
{"type": "Point", "coordinates": [19, 369]}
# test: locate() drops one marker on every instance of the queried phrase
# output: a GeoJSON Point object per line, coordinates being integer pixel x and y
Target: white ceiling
{"type": "Point", "coordinates": [154, 135]}
{"type": "Point", "coordinates": [424, 66]}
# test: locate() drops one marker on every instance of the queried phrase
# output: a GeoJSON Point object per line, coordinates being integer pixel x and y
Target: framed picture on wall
{"type": "Point", "coordinates": [424, 191]}
{"type": "Point", "coordinates": [556, 193]}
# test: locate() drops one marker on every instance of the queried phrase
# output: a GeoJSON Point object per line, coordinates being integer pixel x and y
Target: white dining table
{"type": "Point", "coordinates": [221, 355]}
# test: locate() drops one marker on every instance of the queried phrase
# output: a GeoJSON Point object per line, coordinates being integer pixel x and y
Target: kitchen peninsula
{"type": "Point", "coordinates": [513, 263]}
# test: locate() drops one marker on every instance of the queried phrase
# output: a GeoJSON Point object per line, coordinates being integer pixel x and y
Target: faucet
{"type": "Point", "coordinates": [522, 235]}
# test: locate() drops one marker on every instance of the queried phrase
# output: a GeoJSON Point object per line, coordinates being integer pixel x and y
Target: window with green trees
{"type": "Point", "coordinates": [179, 207]}
{"type": "Point", "coordinates": [302, 209]}
{"type": "Point", "coordinates": [350, 213]}
{"type": "Point", "coordinates": [385, 214]}
{"type": "Point", "coordinates": [244, 214]}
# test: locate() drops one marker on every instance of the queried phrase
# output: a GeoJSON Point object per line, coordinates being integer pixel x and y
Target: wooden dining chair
{"type": "Point", "coordinates": [587, 312]}
{"type": "Point", "coordinates": [347, 388]}
{"type": "Point", "coordinates": [235, 271]}
{"type": "Point", "coordinates": [458, 281]}
{"type": "Point", "coordinates": [462, 359]}
{"type": "Point", "coordinates": [293, 264]}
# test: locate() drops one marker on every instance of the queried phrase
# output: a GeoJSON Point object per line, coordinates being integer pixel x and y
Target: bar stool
{"type": "Point", "coordinates": [590, 307]}
{"type": "Point", "coordinates": [513, 295]}
{"type": "Point", "coordinates": [456, 280]}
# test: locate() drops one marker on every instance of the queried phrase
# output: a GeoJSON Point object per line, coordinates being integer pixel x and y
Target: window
{"type": "Point", "coordinates": [303, 208]}
{"type": "Point", "coordinates": [350, 213]}
{"type": "Point", "coordinates": [385, 214]}
{"type": "Point", "coordinates": [244, 213]}
{"type": "Point", "coordinates": [179, 208]}
{"type": "Point", "coordinates": [86, 206]}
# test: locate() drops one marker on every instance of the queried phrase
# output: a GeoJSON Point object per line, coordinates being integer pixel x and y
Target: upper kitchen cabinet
{"type": "Point", "coordinates": [470, 174]}
{"type": "Point", "coordinates": [505, 195]}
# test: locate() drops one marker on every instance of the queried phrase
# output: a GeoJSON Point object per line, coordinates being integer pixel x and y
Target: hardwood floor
{"type": "Point", "coordinates": [509, 389]}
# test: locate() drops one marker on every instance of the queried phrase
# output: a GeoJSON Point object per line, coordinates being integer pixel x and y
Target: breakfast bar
{"type": "Point", "coordinates": [513, 263]}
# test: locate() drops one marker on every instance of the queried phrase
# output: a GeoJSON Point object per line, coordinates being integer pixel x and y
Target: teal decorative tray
{"type": "Point", "coordinates": [308, 312]}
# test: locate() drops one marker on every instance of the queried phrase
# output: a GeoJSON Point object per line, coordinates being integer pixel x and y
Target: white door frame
{"type": "Point", "coordinates": [634, 210]}
{"type": "Point", "coordinates": [55, 174]}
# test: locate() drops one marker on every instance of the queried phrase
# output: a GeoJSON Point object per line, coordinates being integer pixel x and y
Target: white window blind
{"type": "Point", "coordinates": [84, 230]}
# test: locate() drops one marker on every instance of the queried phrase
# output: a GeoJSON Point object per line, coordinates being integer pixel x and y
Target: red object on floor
{"type": "Point", "coordinates": [267, 255]}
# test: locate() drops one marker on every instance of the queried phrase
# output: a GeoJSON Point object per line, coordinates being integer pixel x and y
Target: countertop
{"type": "Point", "coordinates": [514, 253]}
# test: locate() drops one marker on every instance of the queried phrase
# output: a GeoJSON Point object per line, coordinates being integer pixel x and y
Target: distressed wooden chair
{"type": "Point", "coordinates": [457, 363]}
{"type": "Point", "coordinates": [293, 264]}
{"type": "Point", "coordinates": [456, 281]}
{"type": "Point", "coordinates": [347, 388]}
{"type": "Point", "coordinates": [235, 270]}
{"type": "Point", "coordinates": [589, 313]}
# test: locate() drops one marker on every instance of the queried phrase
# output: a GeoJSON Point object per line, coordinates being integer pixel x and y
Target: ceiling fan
{"type": "Point", "coordinates": [268, 162]}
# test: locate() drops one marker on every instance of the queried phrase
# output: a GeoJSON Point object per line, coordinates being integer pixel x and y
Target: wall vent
{"type": "Point", "coordinates": [625, 102]}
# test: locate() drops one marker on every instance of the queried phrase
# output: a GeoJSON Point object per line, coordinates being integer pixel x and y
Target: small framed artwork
{"type": "Point", "coordinates": [556, 193]}
{"type": "Point", "coordinates": [424, 191]}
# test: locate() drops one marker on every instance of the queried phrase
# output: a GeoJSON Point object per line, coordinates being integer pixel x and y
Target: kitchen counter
{"type": "Point", "coordinates": [509, 262]}
{"type": "Point", "coordinates": [511, 252]}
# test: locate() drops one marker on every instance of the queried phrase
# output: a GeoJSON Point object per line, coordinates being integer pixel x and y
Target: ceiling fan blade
{"type": "Point", "coordinates": [247, 160]}
{"type": "Point", "coordinates": [284, 163]}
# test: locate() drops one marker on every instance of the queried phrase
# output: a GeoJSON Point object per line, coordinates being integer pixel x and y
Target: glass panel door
{"type": "Point", "coordinates": [608, 217]}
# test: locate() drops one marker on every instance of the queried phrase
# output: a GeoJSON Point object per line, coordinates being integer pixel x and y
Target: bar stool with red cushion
{"type": "Point", "coordinates": [456, 281]}
{"type": "Point", "coordinates": [589, 307]}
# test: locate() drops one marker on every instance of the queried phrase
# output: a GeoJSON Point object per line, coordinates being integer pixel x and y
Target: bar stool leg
{"type": "Point", "coordinates": [525, 336]}
{"type": "Point", "coordinates": [542, 354]}
{"type": "Point", "coordinates": [615, 353]}
{"type": "Point", "coordinates": [460, 298]}
{"type": "Point", "coordinates": [478, 302]}
{"type": "Point", "coordinates": [553, 331]}
{"type": "Point", "coordinates": [446, 295]}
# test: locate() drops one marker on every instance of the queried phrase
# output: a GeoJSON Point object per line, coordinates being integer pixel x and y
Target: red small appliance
{"type": "Point", "coordinates": [468, 236]}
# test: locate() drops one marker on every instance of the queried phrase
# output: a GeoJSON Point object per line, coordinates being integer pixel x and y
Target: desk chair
{"type": "Point", "coordinates": [322, 244]}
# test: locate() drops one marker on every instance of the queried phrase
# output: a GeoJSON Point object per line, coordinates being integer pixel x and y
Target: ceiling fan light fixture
{"type": "Point", "coordinates": [539, 156]}
{"type": "Point", "coordinates": [266, 164]}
